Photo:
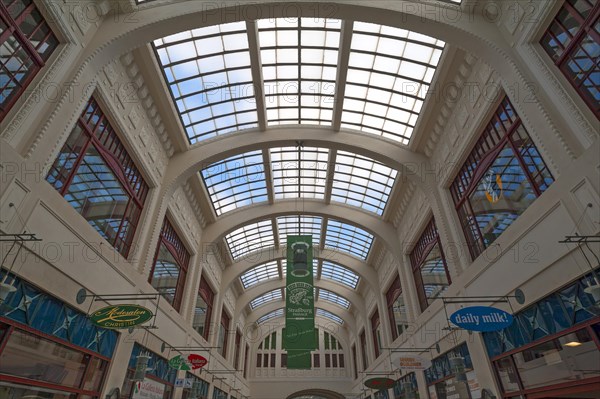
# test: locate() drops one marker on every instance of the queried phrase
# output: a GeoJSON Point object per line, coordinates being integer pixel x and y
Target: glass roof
{"type": "Point", "coordinates": [389, 73]}
{"type": "Point", "coordinates": [270, 315]}
{"type": "Point", "coordinates": [326, 295]}
{"type": "Point", "coordinates": [209, 76]}
{"type": "Point", "coordinates": [301, 224]}
{"type": "Point", "coordinates": [329, 315]}
{"type": "Point", "coordinates": [299, 66]}
{"type": "Point", "coordinates": [267, 297]}
{"type": "Point", "coordinates": [348, 238]}
{"type": "Point", "coordinates": [250, 238]}
{"type": "Point", "coordinates": [260, 273]}
{"type": "Point", "coordinates": [339, 274]}
{"type": "Point", "coordinates": [236, 181]}
{"type": "Point", "coordinates": [362, 182]}
{"type": "Point", "coordinates": [338, 235]}
{"type": "Point", "coordinates": [299, 174]}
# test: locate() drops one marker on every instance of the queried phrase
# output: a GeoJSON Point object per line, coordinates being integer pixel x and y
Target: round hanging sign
{"type": "Point", "coordinates": [189, 362]}
{"type": "Point", "coordinates": [121, 316]}
{"type": "Point", "coordinates": [481, 318]}
{"type": "Point", "coordinates": [379, 383]}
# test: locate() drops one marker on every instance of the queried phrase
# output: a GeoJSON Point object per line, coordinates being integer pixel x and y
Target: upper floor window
{"type": "Point", "coordinates": [266, 354]}
{"type": "Point", "coordinates": [396, 308]}
{"type": "Point", "coordinates": [334, 354]}
{"type": "Point", "coordinates": [502, 176]}
{"type": "Point", "coordinates": [363, 349]}
{"type": "Point", "coordinates": [238, 349]}
{"type": "Point", "coordinates": [203, 308]}
{"type": "Point", "coordinates": [26, 43]}
{"type": "Point", "coordinates": [223, 334]}
{"type": "Point", "coordinates": [170, 266]}
{"type": "Point", "coordinates": [573, 42]}
{"type": "Point", "coordinates": [96, 175]}
{"type": "Point", "coordinates": [376, 329]}
{"type": "Point", "coordinates": [429, 266]}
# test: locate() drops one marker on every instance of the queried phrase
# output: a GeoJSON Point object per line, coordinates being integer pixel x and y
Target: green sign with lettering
{"type": "Point", "coordinates": [299, 302]}
{"type": "Point", "coordinates": [121, 316]}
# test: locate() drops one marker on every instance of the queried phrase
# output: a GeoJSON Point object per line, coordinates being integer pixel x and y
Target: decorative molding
{"type": "Point", "coordinates": [194, 203]}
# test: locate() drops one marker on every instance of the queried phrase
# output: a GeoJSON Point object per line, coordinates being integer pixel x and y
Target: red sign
{"type": "Point", "coordinates": [197, 361]}
{"type": "Point", "coordinates": [379, 383]}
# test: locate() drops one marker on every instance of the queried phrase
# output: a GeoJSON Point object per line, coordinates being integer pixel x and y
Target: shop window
{"type": "Point", "coordinates": [376, 330]}
{"type": "Point", "coordinates": [500, 179]}
{"type": "Point", "coordinates": [159, 373]}
{"type": "Point", "coordinates": [443, 381]}
{"type": "Point", "coordinates": [26, 44]}
{"type": "Point", "coordinates": [573, 42]}
{"type": "Point", "coordinates": [402, 384]}
{"type": "Point", "coordinates": [96, 175]}
{"type": "Point", "coordinates": [396, 308]}
{"type": "Point", "coordinates": [202, 387]}
{"type": "Point", "coordinates": [219, 394]}
{"type": "Point", "coordinates": [203, 308]}
{"type": "Point", "coordinates": [171, 262]}
{"type": "Point", "coordinates": [223, 333]}
{"type": "Point", "coordinates": [429, 266]}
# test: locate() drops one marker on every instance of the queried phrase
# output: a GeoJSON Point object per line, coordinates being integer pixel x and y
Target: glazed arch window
{"type": "Point", "coordinates": [501, 178]}
{"type": "Point", "coordinates": [95, 174]}
{"type": "Point", "coordinates": [429, 266]}
{"type": "Point", "coordinates": [396, 308]}
{"type": "Point", "coordinates": [376, 329]}
{"type": "Point", "coordinates": [573, 42]}
{"type": "Point", "coordinates": [223, 333]}
{"type": "Point", "coordinates": [203, 308]}
{"type": "Point", "coordinates": [26, 43]}
{"type": "Point", "coordinates": [170, 268]}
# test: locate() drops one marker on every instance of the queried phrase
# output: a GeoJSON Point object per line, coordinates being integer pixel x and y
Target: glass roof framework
{"type": "Point", "coordinates": [271, 315]}
{"type": "Point", "coordinates": [326, 295]}
{"type": "Point", "coordinates": [259, 274]}
{"type": "Point", "coordinates": [299, 174]}
{"type": "Point", "coordinates": [299, 66]}
{"type": "Point", "coordinates": [270, 296]}
{"type": "Point", "coordinates": [338, 235]}
{"type": "Point", "coordinates": [329, 315]}
{"type": "Point", "coordinates": [389, 74]}
{"type": "Point", "coordinates": [208, 73]}
{"type": "Point", "coordinates": [339, 274]}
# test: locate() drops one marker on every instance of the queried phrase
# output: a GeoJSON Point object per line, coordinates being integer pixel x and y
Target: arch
{"type": "Point", "coordinates": [258, 290]}
{"type": "Point", "coordinates": [247, 262]}
{"type": "Point", "coordinates": [315, 394]}
{"type": "Point", "coordinates": [347, 316]}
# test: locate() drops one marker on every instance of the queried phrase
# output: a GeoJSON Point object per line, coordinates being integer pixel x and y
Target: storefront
{"type": "Point", "coordinates": [199, 388]}
{"type": "Point", "coordinates": [219, 394]}
{"type": "Point", "coordinates": [406, 387]}
{"type": "Point", "coordinates": [552, 349]}
{"type": "Point", "coordinates": [48, 349]}
{"type": "Point", "coordinates": [444, 383]}
{"type": "Point", "coordinates": [158, 382]}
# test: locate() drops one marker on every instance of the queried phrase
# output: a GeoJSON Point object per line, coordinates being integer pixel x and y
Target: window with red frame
{"type": "Point", "coordinates": [429, 266]}
{"type": "Point", "coordinates": [246, 353]}
{"type": "Point", "coordinates": [96, 175]}
{"type": "Point", "coordinates": [363, 349]}
{"type": "Point", "coordinates": [170, 265]}
{"type": "Point", "coordinates": [203, 309]}
{"type": "Point", "coordinates": [355, 363]}
{"type": "Point", "coordinates": [223, 333]}
{"type": "Point", "coordinates": [501, 178]}
{"type": "Point", "coordinates": [238, 348]}
{"type": "Point", "coordinates": [573, 42]}
{"type": "Point", "coordinates": [396, 308]}
{"type": "Point", "coordinates": [26, 43]}
{"type": "Point", "coordinates": [375, 328]}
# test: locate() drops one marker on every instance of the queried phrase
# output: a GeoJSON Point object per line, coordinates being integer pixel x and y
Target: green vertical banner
{"type": "Point", "coordinates": [299, 337]}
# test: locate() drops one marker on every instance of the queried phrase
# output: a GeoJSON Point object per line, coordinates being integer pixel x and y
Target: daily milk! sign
{"type": "Point", "coordinates": [481, 318]}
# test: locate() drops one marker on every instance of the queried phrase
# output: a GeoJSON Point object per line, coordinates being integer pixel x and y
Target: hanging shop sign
{"type": "Point", "coordinates": [148, 389]}
{"type": "Point", "coordinates": [189, 362]}
{"type": "Point", "coordinates": [299, 302]}
{"type": "Point", "coordinates": [412, 363]}
{"type": "Point", "coordinates": [121, 316]}
{"type": "Point", "coordinates": [379, 383]}
{"type": "Point", "coordinates": [481, 318]}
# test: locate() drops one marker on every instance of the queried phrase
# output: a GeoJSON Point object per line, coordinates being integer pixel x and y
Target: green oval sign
{"type": "Point", "coordinates": [121, 316]}
{"type": "Point", "coordinates": [379, 383]}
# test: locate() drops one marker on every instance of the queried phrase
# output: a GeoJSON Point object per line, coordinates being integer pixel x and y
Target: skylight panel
{"type": "Point", "coordinates": [209, 77]}
{"type": "Point", "coordinates": [333, 297]}
{"type": "Point", "coordinates": [339, 274]}
{"type": "Point", "coordinates": [235, 182]}
{"type": "Point", "coordinates": [299, 225]}
{"type": "Point", "coordinates": [259, 274]}
{"type": "Point", "coordinates": [299, 64]}
{"type": "Point", "coordinates": [389, 73]}
{"type": "Point", "coordinates": [271, 315]}
{"type": "Point", "coordinates": [299, 175]}
{"type": "Point", "coordinates": [249, 238]}
{"type": "Point", "coordinates": [362, 182]}
{"type": "Point", "coordinates": [267, 297]}
{"type": "Point", "coordinates": [348, 238]}
{"type": "Point", "coordinates": [329, 315]}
